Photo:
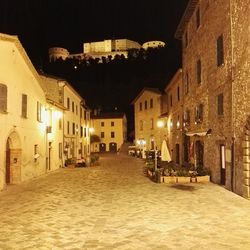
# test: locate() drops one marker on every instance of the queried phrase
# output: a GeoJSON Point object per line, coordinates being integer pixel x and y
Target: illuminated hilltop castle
{"type": "Point", "coordinates": [102, 49]}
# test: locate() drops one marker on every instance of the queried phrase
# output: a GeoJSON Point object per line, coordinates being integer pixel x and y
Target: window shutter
{"type": "Point", "coordinates": [3, 98]}
{"type": "Point", "coordinates": [24, 105]}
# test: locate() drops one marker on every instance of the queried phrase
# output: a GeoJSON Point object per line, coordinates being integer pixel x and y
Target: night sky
{"type": "Point", "coordinates": [41, 24]}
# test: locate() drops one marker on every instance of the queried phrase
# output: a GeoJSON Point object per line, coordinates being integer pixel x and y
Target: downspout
{"type": "Point", "coordinates": [232, 102]}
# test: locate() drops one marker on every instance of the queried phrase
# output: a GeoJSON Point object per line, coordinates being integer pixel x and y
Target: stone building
{"type": "Point", "coordinates": [111, 128]}
{"type": "Point", "coordinates": [147, 110]}
{"type": "Point", "coordinates": [215, 60]}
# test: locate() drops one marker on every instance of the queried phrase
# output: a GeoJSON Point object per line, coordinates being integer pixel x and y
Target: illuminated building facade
{"type": "Point", "coordinates": [22, 115]}
{"type": "Point", "coordinates": [111, 128]}
{"type": "Point", "coordinates": [147, 110]}
{"type": "Point", "coordinates": [216, 79]}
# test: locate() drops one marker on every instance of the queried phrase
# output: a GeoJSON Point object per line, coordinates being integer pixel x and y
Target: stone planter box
{"type": "Point", "coordinates": [193, 179]}
{"type": "Point", "coordinates": [169, 179]}
{"type": "Point", "coordinates": [183, 179]}
{"type": "Point", "coordinates": [205, 178]}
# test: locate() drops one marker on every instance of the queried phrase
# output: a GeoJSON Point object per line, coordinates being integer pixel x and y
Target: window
{"type": "Point", "coordinates": [35, 149]}
{"type": "Point", "coordinates": [68, 103]}
{"type": "Point", "coordinates": [102, 124]}
{"type": "Point", "coordinates": [112, 134]}
{"type": "Point", "coordinates": [171, 101]}
{"type": "Point", "coordinates": [76, 110]}
{"type": "Point", "coordinates": [85, 132]}
{"type": "Point", "coordinates": [198, 71]}
{"type": "Point", "coordinates": [3, 98]}
{"type": "Point", "coordinates": [145, 105]}
{"type": "Point", "coordinates": [68, 128]}
{"type": "Point", "coordinates": [112, 124]}
{"type": "Point", "coordinates": [220, 51]}
{"type": "Point", "coordinates": [60, 123]}
{"type": "Point", "coordinates": [186, 84]}
{"type": "Point", "coordinates": [151, 103]}
{"type": "Point", "coordinates": [140, 106]}
{"type": "Point", "coordinates": [73, 107]}
{"type": "Point", "coordinates": [198, 18]}
{"type": "Point", "coordinates": [102, 134]}
{"type": "Point", "coordinates": [186, 117]}
{"type": "Point", "coordinates": [60, 150]}
{"type": "Point", "coordinates": [24, 106]}
{"type": "Point", "coordinates": [141, 125]}
{"type": "Point", "coordinates": [73, 128]}
{"type": "Point", "coordinates": [220, 109]}
{"type": "Point", "coordinates": [80, 112]}
{"type": "Point", "coordinates": [178, 93]}
{"type": "Point", "coordinates": [81, 132]}
{"type": "Point", "coordinates": [85, 115]}
{"type": "Point", "coordinates": [199, 113]}
{"type": "Point", "coordinates": [39, 112]}
{"type": "Point", "coordinates": [152, 123]}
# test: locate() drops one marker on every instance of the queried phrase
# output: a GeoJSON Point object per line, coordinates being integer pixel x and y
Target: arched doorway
{"type": "Point", "coordinates": [102, 147]}
{"type": "Point", "coordinates": [13, 159]}
{"type": "Point", "coordinates": [246, 159]}
{"type": "Point", "coordinates": [113, 147]}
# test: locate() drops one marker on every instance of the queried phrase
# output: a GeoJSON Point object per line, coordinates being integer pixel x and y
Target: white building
{"type": "Point", "coordinates": [22, 115]}
{"type": "Point", "coordinates": [153, 44]}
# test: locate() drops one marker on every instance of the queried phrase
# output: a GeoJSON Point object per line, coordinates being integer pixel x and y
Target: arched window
{"type": "Point", "coordinates": [3, 98]}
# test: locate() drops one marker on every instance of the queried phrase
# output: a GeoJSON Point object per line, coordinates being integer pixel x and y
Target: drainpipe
{"type": "Point", "coordinates": [232, 102]}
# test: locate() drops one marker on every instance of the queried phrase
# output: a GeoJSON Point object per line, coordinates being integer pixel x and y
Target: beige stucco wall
{"type": "Point", "coordinates": [72, 140]}
{"type": "Point", "coordinates": [119, 129]}
{"type": "Point", "coordinates": [20, 77]}
{"type": "Point", "coordinates": [173, 121]}
{"type": "Point", "coordinates": [148, 133]}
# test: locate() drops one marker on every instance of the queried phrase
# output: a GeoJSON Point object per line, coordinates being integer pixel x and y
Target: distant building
{"type": "Point", "coordinates": [107, 48]}
{"type": "Point", "coordinates": [153, 44]}
{"type": "Point", "coordinates": [111, 128]}
{"type": "Point", "coordinates": [147, 110]}
{"type": "Point", "coordinates": [56, 53]}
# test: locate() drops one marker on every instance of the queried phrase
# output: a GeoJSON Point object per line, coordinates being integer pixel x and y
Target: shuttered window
{"type": "Point", "coordinates": [39, 112]}
{"type": "Point", "coordinates": [220, 109]}
{"type": "Point", "coordinates": [3, 98]}
{"type": "Point", "coordinates": [199, 113]}
{"type": "Point", "coordinates": [220, 51]}
{"type": "Point", "coordinates": [198, 71]}
{"type": "Point", "coordinates": [24, 106]}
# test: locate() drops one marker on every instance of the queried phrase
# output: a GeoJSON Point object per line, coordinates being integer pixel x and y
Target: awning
{"type": "Point", "coordinates": [199, 133]}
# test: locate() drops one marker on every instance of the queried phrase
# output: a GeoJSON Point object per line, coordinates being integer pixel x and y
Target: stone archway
{"type": "Point", "coordinates": [13, 159]}
{"type": "Point", "coordinates": [246, 159]}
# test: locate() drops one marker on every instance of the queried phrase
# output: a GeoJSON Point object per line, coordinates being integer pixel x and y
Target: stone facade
{"type": "Point", "coordinates": [215, 58]}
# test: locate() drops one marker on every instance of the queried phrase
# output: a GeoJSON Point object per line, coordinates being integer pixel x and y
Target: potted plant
{"type": "Point", "coordinates": [183, 175]}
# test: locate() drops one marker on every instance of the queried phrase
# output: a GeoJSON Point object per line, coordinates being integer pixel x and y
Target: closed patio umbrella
{"type": "Point", "coordinates": [165, 155]}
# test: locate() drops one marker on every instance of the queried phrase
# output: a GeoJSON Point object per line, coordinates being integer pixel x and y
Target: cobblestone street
{"type": "Point", "coordinates": [114, 206]}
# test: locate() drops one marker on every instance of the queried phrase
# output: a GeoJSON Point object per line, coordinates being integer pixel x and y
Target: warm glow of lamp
{"type": "Point", "coordinates": [160, 124]}
{"type": "Point", "coordinates": [91, 130]}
